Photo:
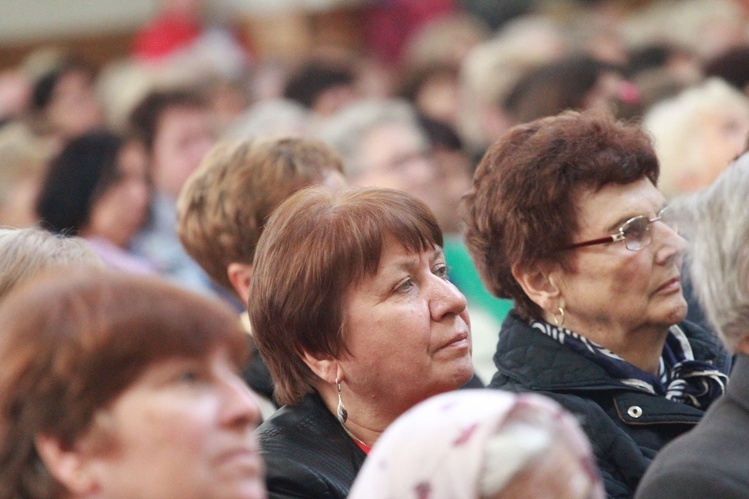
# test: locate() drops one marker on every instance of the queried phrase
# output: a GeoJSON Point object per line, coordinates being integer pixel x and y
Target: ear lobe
{"type": "Point", "coordinates": [540, 283]}
{"type": "Point", "coordinates": [325, 366]}
{"type": "Point", "coordinates": [239, 275]}
{"type": "Point", "coordinates": [67, 466]}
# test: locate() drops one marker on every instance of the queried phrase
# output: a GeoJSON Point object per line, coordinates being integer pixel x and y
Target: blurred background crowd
{"type": "Point", "coordinates": [100, 128]}
{"type": "Point", "coordinates": [165, 133]}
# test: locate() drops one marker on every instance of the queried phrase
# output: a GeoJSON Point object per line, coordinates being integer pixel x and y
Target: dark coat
{"type": "Point", "coordinates": [712, 460]}
{"type": "Point", "coordinates": [626, 426]}
{"type": "Point", "coordinates": [308, 453]}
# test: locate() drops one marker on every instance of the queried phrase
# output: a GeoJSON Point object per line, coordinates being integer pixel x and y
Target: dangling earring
{"type": "Point", "coordinates": [341, 410]}
{"type": "Point", "coordinates": [559, 322]}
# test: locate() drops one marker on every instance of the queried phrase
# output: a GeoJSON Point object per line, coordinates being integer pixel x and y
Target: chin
{"type": "Point", "coordinates": [464, 374]}
{"type": "Point", "coordinates": [675, 313]}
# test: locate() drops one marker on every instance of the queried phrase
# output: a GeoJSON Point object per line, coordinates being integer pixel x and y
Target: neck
{"type": "Point", "coordinates": [363, 423]}
{"type": "Point", "coordinates": [641, 347]}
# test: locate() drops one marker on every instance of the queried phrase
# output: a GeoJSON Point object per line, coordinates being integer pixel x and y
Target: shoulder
{"type": "Point", "coordinates": [691, 478]}
{"type": "Point", "coordinates": [307, 453]}
{"type": "Point", "coordinates": [709, 461]}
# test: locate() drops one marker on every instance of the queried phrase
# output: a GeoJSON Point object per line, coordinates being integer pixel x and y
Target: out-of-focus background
{"type": "Point", "coordinates": [409, 92]}
{"type": "Point", "coordinates": [104, 29]}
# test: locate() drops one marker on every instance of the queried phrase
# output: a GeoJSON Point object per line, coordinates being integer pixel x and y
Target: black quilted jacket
{"type": "Point", "coordinates": [626, 426]}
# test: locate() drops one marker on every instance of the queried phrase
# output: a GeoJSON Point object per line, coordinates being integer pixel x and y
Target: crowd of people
{"type": "Point", "coordinates": [499, 254]}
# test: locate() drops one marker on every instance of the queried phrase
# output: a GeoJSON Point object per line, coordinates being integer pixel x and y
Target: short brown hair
{"type": "Point", "coordinates": [317, 245]}
{"type": "Point", "coordinates": [224, 205]}
{"type": "Point", "coordinates": [522, 207]}
{"type": "Point", "coordinates": [71, 342]}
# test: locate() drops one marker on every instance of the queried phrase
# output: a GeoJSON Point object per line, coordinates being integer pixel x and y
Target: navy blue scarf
{"type": "Point", "coordinates": [680, 377]}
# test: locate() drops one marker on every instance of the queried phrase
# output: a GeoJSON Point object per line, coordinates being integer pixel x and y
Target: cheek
{"type": "Point", "coordinates": [615, 275]}
{"type": "Point", "coordinates": [172, 430]}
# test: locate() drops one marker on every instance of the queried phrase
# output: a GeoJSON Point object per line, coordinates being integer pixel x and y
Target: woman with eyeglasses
{"type": "Point", "coordinates": [565, 218]}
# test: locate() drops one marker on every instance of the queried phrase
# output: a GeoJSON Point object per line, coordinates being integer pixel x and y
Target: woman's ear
{"type": "Point", "coordinates": [324, 366]}
{"type": "Point", "coordinates": [540, 281]}
{"type": "Point", "coordinates": [68, 466]}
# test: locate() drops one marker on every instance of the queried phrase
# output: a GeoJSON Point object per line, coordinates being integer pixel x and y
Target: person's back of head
{"type": "Point", "coordinates": [26, 252]}
{"type": "Point", "coordinates": [223, 207]}
{"type": "Point", "coordinates": [481, 444]}
{"type": "Point", "coordinates": [716, 223]}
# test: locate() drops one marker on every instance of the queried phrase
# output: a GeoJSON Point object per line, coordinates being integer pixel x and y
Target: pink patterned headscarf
{"type": "Point", "coordinates": [468, 444]}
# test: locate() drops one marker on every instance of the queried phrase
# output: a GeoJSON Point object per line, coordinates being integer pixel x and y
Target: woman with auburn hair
{"type": "Point", "coordinates": [565, 218]}
{"type": "Point", "coordinates": [116, 385]}
{"type": "Point", "coordinates": [354, 316]}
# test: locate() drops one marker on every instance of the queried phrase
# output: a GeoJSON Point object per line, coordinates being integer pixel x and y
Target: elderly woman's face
{"type": "Point", "coordinates": [183, 429]}
{"type": "Point", "coordinates": [407, 330]}
{"type": "Point", "coordinates": [614, 288]}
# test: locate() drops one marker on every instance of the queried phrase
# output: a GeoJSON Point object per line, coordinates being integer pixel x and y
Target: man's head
{"type": "Point", "coordinates": [176, 129]}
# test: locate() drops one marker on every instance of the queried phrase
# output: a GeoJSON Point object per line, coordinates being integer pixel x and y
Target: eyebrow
{"type": "Point", "coordinates": [409, 262]}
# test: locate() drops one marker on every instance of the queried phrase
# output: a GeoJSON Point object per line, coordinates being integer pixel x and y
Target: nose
{"type": "Point", "coordinates": [446, 299]}
{"type": "Point", "coordinates": [240, 409]}
{"type": "Point", "coordinates": [670, 244]}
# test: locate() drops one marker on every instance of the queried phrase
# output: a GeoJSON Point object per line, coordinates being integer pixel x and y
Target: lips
{"type": "Point", "coordinates": [246, 458]}
{"type": "Point", "coordinates": [457, 341]}
{"type": "Point", "coordinates": [670, 286]}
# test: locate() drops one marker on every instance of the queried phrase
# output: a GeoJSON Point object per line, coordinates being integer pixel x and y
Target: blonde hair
{"type": "Point", "coordinates": [26, 252]}
{"type": "Point", "coordinates": [674, 124]}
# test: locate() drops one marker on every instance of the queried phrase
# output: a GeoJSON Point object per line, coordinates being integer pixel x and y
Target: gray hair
{"type": "Point", "coordinates": [716, 223]}
{"type": "Point", "coordinates": [26, 252]}
{"type": "Point", "coordinates": [271, 117]}
{"type": "Point", "coordinates": [675, 125]}
{"type": "Point", "coordinates": [346, 129]}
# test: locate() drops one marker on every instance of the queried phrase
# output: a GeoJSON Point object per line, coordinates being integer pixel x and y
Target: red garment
{"type": "Point", "coordinates": [366, 448]}
{"type": "Point", "coordinates": [390, 23]}
{"type": "Point", "coordinates": [165, 35]}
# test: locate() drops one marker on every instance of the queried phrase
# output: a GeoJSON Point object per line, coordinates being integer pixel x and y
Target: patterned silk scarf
{"type": "Point", "coordinates": [680, 378]}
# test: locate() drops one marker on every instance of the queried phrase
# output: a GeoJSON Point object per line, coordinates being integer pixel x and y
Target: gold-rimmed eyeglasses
{"type": "Point", "coordinates": [635, 232]}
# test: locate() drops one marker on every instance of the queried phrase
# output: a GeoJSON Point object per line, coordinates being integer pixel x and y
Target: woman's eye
{"type": "Point", "coordinates": [405, 285]}
{"type": "Point", "coordinates": [189, 376]}
{"type": "Point", "coordinates": [441, 270]}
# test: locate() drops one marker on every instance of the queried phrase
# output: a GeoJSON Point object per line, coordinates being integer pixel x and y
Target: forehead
{"type": "Point", "coordinates": [393, 249]}
{"type": "Point", "coordinates": [613, 204]}
{"type": "Point", "coordinates": [389, 141]}
{"type": "Point", "coordinates": [182, 117]}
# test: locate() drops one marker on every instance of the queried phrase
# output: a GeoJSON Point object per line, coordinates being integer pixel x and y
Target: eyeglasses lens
{"type": "Point", "coordinates": [636, 233]}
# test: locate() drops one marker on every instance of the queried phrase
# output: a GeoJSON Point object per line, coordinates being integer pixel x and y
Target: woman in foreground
{"type": "Point", "coordinates": [123, 386]}
{"type": "Point", "coordinates": [354, 316]}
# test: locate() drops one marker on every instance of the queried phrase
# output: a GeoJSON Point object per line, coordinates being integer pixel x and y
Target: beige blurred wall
{"type": "Point", "coordinates": [102, 30]}
{"type": "Point", "coordinates": [23, 21]}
